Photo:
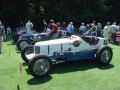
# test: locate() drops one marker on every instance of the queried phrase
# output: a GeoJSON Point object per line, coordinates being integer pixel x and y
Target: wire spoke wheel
{"type": "Point", "coordinates": [41, 66]}
{"type": "Point", "coordinates": [105, 56]}
{"type": "Point", "coordinates": [29, 51]}
{"type": "Point", "coordinates": [23, 44]}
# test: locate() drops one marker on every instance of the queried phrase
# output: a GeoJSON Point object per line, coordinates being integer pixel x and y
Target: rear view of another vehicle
{"type": "Point", "coordinates": [117, 40]}
{"type": "Point", "coordinates": [30, 40]}
{"type": "Point", "coordinates": [24, 41]}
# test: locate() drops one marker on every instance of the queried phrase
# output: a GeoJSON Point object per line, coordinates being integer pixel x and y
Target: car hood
{"type": "Point", "coordinates": [23, 36]}
{"type": "Point", "coordinates": [59, 41]}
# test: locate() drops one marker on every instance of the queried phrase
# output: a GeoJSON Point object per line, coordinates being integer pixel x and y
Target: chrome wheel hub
{"type": "Point", "coordinates": [41, 66]}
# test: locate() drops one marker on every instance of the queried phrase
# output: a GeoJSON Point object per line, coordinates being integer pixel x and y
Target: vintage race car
{"type": "Point", "coordinates": [18, 33]}
{"type": "Point", "coordinates": [66, 49]}
{"type": "Point", "coordinates": [25, 40]}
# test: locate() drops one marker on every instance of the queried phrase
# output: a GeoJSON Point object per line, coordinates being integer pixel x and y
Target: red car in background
{"type": "Point", "coordinates": [117, 38]}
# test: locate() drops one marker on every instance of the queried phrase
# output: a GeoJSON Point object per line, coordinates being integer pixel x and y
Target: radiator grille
{"type": "Point", "coordinates": [37, 50]}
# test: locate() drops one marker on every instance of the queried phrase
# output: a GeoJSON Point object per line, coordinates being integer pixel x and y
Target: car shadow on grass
{"type": "Point", "coordinates": [78, 66]}
{"type": "Point", "coordinates": [67, 67]}
{"type": "Point", "coordinates": [36, 81]}
{"type": "Point", "coordinates": [106, 67]}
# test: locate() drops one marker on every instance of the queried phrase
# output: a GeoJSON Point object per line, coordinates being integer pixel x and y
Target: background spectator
{"type": "Point", "coordinates": [118, 27]}
{"type": "Point", "coordinates": [70, 28]}
{"type": "Point", "coordinates": [54, 29]}
{"type": "Point", "coordinates": [45, 26]}
{"type": "Point", "coordinates": [92, 31]}
{"type": "Point", "coordinates": [29, 28]}
{"type": "Point", "coordinates": [2, 33]}
{"type": "Point", "coordinates": [106, 30]}
{"type": "Point", "coordinates": [113, 30]}
{"type": "Point", "coordinates": [8, 32]}
{"type": "Point", "coordinates": [82, 29]}
{"type": "Point", "coordinates": [99, 30]}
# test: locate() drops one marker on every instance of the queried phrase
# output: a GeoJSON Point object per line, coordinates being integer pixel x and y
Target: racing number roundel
{"type": "Point", "coordinates": [76, 43]}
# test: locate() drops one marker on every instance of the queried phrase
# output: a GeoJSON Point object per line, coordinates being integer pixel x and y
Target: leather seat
{"type": "Point", "coordinates": [92, 40]}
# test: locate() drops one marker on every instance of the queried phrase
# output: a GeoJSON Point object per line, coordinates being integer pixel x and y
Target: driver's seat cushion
{"type": "Point", "coordinates": [92, 40]}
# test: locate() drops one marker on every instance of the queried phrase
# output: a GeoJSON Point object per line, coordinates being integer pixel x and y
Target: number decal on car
{"type": "Point", "coordinates": [76, 43]}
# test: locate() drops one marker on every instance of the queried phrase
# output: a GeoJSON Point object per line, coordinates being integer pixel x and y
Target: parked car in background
{"type": "Point", "coordinates": [25, 40]}
{"type": "Point", "coordinates": [117, 38]}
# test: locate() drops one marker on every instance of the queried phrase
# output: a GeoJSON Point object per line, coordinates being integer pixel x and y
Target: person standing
{"type": "Point", "coordinates": [54, 29]}
{"type": "Point", "coordinates": [106, 30]}
{"type": "Point", "coordinates": [118, 27]}
{"type": "Point", "coordinates": [8, 32]}
{"type": "Point", "coordinates": [92, 31]}
{"type": "Point", "coordinates": [63, 26]}
{"type": "Point", "coordinates": [70, 28]}
{"type": "Point", "coordinates": [62, 30]}
{"type": "Point", "coordinates": [2, 33]}
{"type": "Point", "coordinates": [82, 29]}
{"type": "Point", "coordinates": [45, 26]}
{"type": "Point", "coordinates": [29, 28]}
{"type": "Point", "coordinates": [113, 30]}
{"type": "Point", "coordinates": [99, 30]}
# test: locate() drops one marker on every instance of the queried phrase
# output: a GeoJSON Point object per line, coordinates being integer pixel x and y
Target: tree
{"type": "Point", "coordinates": [13, 12]}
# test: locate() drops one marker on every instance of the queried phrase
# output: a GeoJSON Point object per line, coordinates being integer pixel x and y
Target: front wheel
{"type": "Point", "coordinates": [22, 43]}
{"type": "Point", "coordinates": [27, 50]}
{"type": "Point", "coordinates": [104, 55]}
{"type": "Point", "coordinates": [40, 66]}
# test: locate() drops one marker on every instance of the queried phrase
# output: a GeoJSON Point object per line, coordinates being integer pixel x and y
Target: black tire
{"type": "Point", "coordinates": [27, 50]}
{"type": "Point", "coordinates": [23, 42]}
{"type": "Point", "coordinates": [104, 55]}
{"type": "Point", "coordinates": [40, 61]}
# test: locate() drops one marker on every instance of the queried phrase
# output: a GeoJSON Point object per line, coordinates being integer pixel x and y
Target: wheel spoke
{"type": "Point", "coordinates": [105, 56]}
{"type": "Point", "coordinates": [41, 66]}
{"type": "Point", "coordinates": [29, 51]}
{"type": "Point", "coordinates": [23, 44]}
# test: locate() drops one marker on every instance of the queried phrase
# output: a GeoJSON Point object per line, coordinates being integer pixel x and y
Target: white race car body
{"type": "Point", "coordinates": [68, 49]}
{"type": "Point", "coordinates": [47, 53]}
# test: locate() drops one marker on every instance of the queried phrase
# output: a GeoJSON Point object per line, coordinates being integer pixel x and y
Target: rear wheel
{"type": "Point", "coordinates": [27, 50]}
{"type": "Point", "coordinates": [40, 66]}
{"type": "Point", "coordinates": [104, 55]}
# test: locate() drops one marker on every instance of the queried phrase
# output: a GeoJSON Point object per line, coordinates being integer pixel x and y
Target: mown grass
{"type": "Point", "coordinates": [80, 75]}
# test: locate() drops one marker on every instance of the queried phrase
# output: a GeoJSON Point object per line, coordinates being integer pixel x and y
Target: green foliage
{"type": "Point", "coordinates": [14, 11]}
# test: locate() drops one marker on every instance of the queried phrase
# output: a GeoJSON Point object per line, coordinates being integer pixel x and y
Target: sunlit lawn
{"type": "Point", "coordinates": [82, 75]}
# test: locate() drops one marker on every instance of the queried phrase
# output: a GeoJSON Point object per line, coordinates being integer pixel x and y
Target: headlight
{"type": "Point", "coordinates": [37, 50]}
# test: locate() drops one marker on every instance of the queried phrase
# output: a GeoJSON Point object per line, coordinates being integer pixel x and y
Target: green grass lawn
{"type": "Point", "coordinates": [82, 75]}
